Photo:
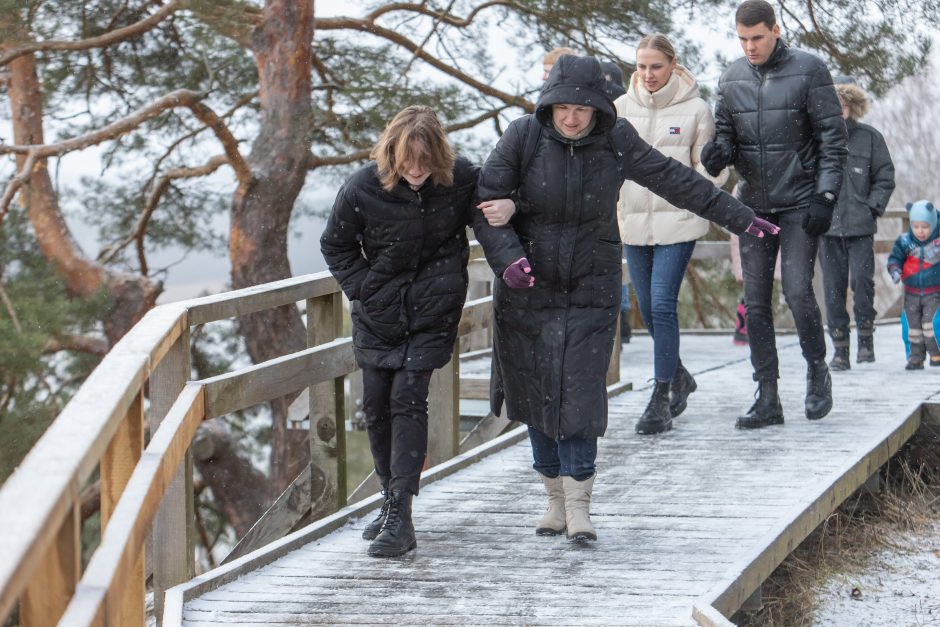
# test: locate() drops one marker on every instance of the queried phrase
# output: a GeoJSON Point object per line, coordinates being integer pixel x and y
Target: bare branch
{"type": "Point", "coordinates": [140, 228]}
{"type": "Point", "coordinates": [101, 41]}
{"type": "Point", "coordinates": [180, 97]}
{"type": "Point", "coordinates": [442, 16]}
{"type": "Point", "coordinates": [90, 344]}
{"type": "Point", "coordinates": [10, 310]}
{"type": "Point", "coordinates": [367, 26]}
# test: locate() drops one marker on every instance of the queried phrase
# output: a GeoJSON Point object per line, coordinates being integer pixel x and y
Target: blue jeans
{"type": "Point", "coordinates": [798, 257]}
{"type": "Point", "coordinates": [656, 273]}
{"type": "Point", "coordinates": [569, 458]}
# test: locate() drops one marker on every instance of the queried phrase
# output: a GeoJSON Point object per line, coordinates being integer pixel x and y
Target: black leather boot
{"type": "Point", "coordinates": [765, 411]}
{"type": "Point", "coordinates": [372, 529]}
{"type": "Point", "coordinates": [625, 331]}
{"type": "Point", "coordinates": [840, 342]}
{"type": "Point", "coordinates": [398, 533]}
{"type": "Point", "coordinates": [682, 385]}
{"type": "Point", "coordinates": [818, 390]}
{"type": "Point", "coordinates": [656, 418]}
{"type": "Point", "coordinates": [866, 342]}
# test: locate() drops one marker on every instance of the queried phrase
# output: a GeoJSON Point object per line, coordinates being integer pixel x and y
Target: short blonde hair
{"type": "Point", "coordinates": [417, 123]}
{"type": "Point", "coordinates": [551, 57]}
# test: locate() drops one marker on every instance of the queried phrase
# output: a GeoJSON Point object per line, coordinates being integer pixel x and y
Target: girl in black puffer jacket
{"type": "Point", "coordinates": [396, 242]}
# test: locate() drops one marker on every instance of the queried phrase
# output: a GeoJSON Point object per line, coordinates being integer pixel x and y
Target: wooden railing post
{"type": "Point", "coordinates": [53, 581]}
{"type": "Point", "coordinates": [444, 412]}
{"type": "Point", "coordinates": [327, 402]}
{"type": "Point", "coordinates": [173, 526]}
{"type": "Point", "coordinates": [117, 464]}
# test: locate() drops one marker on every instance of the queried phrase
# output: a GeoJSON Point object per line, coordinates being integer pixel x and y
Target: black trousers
{"type": "Point", "coordinates": [395, 403]}
{"type": "Point", "coordinates": [798, 257]}
{"type": "Point", "coordinates": [842, 258]}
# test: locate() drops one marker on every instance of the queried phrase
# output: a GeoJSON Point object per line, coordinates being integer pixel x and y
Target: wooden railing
{"type": "Point", "coordinates": [142, 384]}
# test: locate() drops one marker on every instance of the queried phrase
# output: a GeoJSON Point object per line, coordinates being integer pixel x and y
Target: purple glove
{"type": "Point", "coordinates": [516, 274]}
{"type": "Point", "coordinates": [758, 227]}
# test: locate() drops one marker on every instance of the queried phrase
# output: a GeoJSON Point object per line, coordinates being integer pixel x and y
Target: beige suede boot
{"type": "Point", "coordinates": [577, 509]}
{"type": "Point", "coordinates": [553, 520]}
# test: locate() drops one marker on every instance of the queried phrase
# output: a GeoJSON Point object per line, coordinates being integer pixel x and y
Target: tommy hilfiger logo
{"type": "Point", "coordinates": [674, 130]}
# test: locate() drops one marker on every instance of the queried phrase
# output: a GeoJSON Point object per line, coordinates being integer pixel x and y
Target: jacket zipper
{"type": "Point", "coordinates": [760, 134]}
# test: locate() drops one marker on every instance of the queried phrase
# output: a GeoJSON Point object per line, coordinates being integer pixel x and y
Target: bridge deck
{"type": "Point", "coordinates": [699, 511]}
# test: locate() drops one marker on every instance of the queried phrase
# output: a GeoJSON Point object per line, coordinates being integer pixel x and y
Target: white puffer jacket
{"type": "Point", "coordinates": [677, 122]}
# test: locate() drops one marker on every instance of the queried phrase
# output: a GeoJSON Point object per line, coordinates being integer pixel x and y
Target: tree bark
{"type": "Point", "coordinates": [132, 296]}
{"type": "Point", "coordinates": [261, 211]}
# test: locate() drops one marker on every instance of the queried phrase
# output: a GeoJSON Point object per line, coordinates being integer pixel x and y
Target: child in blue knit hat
{"type": "Point", "coordinates": [915, 260]}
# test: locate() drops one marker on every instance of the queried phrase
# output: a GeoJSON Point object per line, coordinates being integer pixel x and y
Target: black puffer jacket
{"type": "Point", "coordinates": [552, 342]}
{"type": "Point", "coordinates": [401, 258]}
{"type": "Point", "coordinates": [782, 122]}
{"type": "Point", "coordinates": [867, 184]}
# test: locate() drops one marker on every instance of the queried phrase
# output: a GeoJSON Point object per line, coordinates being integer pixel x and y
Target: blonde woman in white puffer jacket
{"type": "Point", "coordinates": [663, 104]}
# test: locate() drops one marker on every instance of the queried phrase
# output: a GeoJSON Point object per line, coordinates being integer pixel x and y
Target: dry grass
{"type": "Point", "coordinates": [908, 502]}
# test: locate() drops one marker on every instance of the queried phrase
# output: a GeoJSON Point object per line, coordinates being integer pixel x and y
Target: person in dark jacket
{"type": "Point", "coordinates": [847, 248]}
{"type": "Point", "coordinates": [915, 259]}
{"type": "Point", "coordinates": [559, 256]}
{"type": "Point", "coordinates": [779, 122]}
{"type": "Point", "coordinates": [614, 77]}
{"type": "Point", "coordinates": [396, 243]}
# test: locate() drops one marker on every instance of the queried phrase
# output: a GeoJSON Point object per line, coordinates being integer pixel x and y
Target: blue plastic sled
{"type": "Point", "coordinates": [907, 342]}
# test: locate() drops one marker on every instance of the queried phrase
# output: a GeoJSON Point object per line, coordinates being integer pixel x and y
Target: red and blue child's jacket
{"type": "Point", "coordinates": [919, 262]}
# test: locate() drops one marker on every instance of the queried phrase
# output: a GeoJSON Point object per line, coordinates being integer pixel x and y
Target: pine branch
{"type": "Point", "coordinates": [101, 41]}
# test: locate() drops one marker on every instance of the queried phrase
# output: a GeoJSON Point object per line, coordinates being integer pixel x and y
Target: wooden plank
{"type": "Point", "coordinates": [485, 430]}
{"type": "Point", "coordinates": [173, 534]}
{"type": "Point", "coordinates": [278, 377]}
{"type": "Point", "coordinates": [477, 314]}
{"type": "Point", "coordinates": [444, 412]}
{"type": "Point", "coordinates": [326, 408]}
{"type": "Point", "coordinates": [53, 582]}
{"type": "Point", "coordinates": [477, 388]}
{"type": "Point", "coordinates": [37, 497]}
{"type": "Point", "coordinates": [260, 297]}
{"type": "Point", "coordinates": [109, 570]}
{"type": "Point", "coordinates": [117, 464]}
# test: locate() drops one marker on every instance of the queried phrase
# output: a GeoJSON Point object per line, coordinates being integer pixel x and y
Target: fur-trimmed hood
{"type": "Point", "coordinates": [854, 98]}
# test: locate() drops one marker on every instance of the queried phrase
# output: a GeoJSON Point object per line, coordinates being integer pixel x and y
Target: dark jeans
{"type": "Point", "coordinates": [920, 311]}
{"type": "Point", "coordinates": [569, 458]}
{"type": "Point", "coordinates": [841, 258]}
{"type": "Point", "coordinates": [798, 255]}
{"type": "Point", "coordinates": [395, 403]}
{"type": "Point", "coordinates": [656, 273]}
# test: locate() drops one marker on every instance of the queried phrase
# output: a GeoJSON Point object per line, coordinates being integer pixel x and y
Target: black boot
{"type": "Point", "coordinates": [840, 341]}
{"type": "Point", "coordinates": [625, 331]}
{"type": "Point", "coordinates": [866, 342]}
{"type": "Point", "coordinates": [765, 411]}
{"type": "Point", "coordinates": [656, 418]}
{"type": "Point", "coordinates": [373, 528]}
{"type": "Point", "coordinates": [682, 385]}
{"type": "Point", "coordinates": [398, 533]}
{"type": "Point", "coordinates": [818, 390]}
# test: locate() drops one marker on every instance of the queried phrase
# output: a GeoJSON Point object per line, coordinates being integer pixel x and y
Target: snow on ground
{"type": "Point", "coordinates": [898, 587]}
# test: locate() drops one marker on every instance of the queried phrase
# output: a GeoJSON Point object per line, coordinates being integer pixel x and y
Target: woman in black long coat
{"type": "Point", "coordinates": [396, 242]}
{"type": "Point", "coordinates": [560, 259]}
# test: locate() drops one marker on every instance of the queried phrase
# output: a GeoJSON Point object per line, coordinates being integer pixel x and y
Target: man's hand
{"type": "Point", "coordinates": [818, 217]}
{"type": "Point", "coordinates": [518, 274]}
{"type": "Point", "coordinates": [715, 157]}
{"type": "Point", "coordinates": [497, 212]}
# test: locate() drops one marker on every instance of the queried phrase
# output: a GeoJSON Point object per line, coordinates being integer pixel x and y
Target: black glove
{"type": "Point", "coordinates": [874, 214]}
{"type": "Point", "coordinates": [818, 216]}
{"type": "Point", "coordinates": [715, 157]}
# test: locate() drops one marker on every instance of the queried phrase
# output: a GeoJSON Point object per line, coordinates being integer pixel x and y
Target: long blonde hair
{"type": "Point", "coordinates": [417, 123]}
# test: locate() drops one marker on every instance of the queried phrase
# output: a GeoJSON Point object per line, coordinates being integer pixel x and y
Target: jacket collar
{"type": "Point", "coordinates": [780, 54]}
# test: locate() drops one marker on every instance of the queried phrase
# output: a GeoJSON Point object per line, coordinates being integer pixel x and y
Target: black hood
{"type": "Point", "coordinates": [579, 81]}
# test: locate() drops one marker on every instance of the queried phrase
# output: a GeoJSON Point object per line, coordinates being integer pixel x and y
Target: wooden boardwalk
{"type": "Point", "coordinates": [694, 518]}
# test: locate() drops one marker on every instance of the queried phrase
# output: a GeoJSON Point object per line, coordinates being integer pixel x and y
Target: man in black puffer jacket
{"type": "Point", "coordinates": [779, 122]}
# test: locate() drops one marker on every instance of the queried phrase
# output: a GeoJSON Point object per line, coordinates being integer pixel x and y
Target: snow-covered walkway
{"type": "Point", "coordinates": [696, 516]}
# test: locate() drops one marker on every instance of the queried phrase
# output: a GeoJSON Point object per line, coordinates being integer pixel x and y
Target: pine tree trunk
{"type": "Point", "coordinates": [132, 296]}
{"type": "Point", "coordinates": [261, 213]}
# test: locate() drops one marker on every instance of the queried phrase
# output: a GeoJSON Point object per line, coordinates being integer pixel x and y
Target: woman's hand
{"type": "Point", "coordinates": [497, 212]}
{"type": "Point", "coordinates": [758, 227]}
{"type": "Point", "coordinates": [518, 274]}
